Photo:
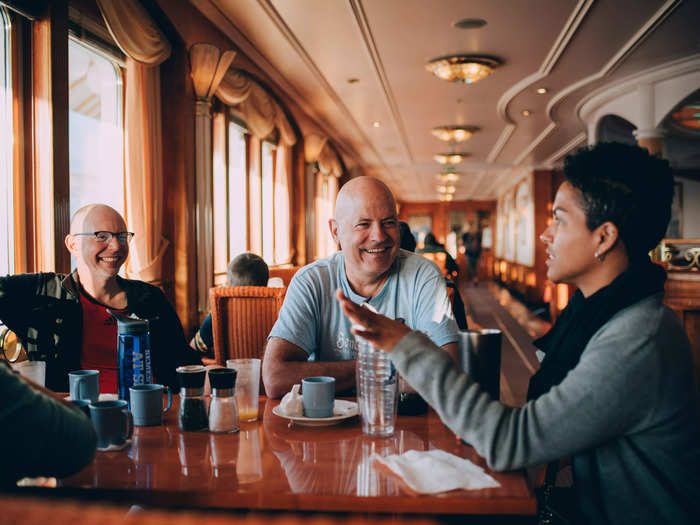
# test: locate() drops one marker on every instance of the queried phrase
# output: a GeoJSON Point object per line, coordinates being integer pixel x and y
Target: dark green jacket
{"type": "Point", "coordinates": [44, 310]}
{"type": "Point", "coordinates": [38, 435]}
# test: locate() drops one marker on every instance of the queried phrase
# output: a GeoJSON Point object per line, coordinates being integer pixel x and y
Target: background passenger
{"type": "Point", "coordinates": [431, 245]}
{"type": "Point", "coordinates": [615, 390]}
{"type": "Point", "coordinates": [246, 269]}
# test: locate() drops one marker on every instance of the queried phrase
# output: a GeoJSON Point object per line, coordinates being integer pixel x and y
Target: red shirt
{"type": "Point", "coordinates": [99, 348]}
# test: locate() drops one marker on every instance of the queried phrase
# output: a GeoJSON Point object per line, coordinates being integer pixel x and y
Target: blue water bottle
{"type": "Point", "coordinates": [133, 354]}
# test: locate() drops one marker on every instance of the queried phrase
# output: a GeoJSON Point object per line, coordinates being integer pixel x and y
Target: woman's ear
{"type": "Point", "coordinates": [608, 236]}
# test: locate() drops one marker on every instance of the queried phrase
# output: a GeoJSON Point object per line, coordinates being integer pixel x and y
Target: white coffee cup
{"type": "Point", "coordinates": [33, 370]}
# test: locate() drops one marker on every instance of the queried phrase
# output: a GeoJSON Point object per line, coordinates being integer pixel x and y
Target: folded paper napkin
{"type": "Point", "coordinates": [436, 471]}
{"type": "Point", "coordinates": [292, 404]}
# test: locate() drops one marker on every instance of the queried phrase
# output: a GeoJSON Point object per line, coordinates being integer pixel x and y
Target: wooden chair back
{"type": "Point", "coordinates": [242, 317]}
{"type": "Point", "coordinates": [285, 274]}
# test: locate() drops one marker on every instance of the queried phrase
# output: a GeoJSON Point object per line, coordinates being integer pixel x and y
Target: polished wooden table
{"type": "Point", "coordinates": [269, 465]}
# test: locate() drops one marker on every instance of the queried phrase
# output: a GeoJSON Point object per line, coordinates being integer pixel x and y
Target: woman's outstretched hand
{"type": "Point", "coordinates": [379, 330]}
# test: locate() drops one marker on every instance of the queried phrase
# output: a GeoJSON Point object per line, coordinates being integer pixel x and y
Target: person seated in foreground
{"type": "Point", "coordinates": [246, 269]}
{"type": "Point", "coordinates": [431, 245]}
{"type": "Point", "coordinates": [311, 336]}
{"type": "Point", "coordinates": [63, 319]}
{"type": "Point", "coordinates": [40, 436]}
{"type": "Point", "coordinates": [615, 389]}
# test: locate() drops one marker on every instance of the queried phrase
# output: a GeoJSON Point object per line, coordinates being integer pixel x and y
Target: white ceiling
{"type": "Point", "coordinates": [310, 48]}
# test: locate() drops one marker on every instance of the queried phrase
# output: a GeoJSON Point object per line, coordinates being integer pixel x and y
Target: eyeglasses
{"type": "Point", "coordinates": [105, 237]}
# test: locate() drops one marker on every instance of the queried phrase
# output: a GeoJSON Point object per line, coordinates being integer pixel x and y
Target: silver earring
{"type": "Point", "coordinates": [599, 256]}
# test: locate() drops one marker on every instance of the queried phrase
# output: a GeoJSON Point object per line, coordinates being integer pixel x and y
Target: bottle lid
{"type": "Point", "coordinates": [191, 376]}
{"type": "Point", "coordinates": [222, 378]}
{"type": "Point", "coordinates": [130, 325]}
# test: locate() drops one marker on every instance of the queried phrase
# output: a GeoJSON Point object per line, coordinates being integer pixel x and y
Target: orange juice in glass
{"type": "Point", "coordinates": [247, 387]}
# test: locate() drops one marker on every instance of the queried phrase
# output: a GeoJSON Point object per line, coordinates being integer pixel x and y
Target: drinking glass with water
{"type": "Point", "coordinates": [377, 383]}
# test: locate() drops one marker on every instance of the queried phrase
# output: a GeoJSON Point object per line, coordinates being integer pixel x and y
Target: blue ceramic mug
{"type": "Point", "coordinates": [147, 404]}
{"type": "Point", "coordinates": [318, 396]}
{"type": "Point", "coordinates": [113, 423]}
{"type": "Point", "coordinates": [84, 384]}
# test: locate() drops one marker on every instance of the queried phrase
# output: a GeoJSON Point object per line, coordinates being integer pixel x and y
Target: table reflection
{"type": "Point", "coordinates": [314, 464]}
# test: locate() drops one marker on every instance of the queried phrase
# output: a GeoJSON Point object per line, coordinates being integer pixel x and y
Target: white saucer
{"type": "Point", "coordinates": [342, 410]}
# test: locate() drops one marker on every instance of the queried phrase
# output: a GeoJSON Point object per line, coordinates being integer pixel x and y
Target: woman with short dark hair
{"type": "Point", "coordinates": [615, 389]}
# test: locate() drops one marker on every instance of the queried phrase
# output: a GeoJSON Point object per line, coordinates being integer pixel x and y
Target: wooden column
{"type": "Point", "coordinates": [50, 138]}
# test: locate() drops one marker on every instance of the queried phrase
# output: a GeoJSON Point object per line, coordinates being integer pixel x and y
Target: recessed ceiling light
{"type": "Point", "coordinates": [526, 112]}
{"type": "Point", "coordinates": [376, 124]}
{"type": "Point", "coordinates": [445, 197]}
{"type": "Point", "coordinates": [541, 91]}
{"type": "Point", "coordinates": [470, 23]}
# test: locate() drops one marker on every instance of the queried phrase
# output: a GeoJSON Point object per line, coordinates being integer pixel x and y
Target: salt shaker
{"type": "Point", "coordinates": [223, 409]}
{"type": "Point", "coordinates": [193, 408]}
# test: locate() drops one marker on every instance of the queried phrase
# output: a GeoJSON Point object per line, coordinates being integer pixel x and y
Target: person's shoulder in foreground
{"type": "Point", "coordinates": [40, 436]}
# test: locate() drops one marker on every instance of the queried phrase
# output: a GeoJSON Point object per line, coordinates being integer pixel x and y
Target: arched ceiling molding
{"type": "Point", "coordinates": [667, 85]}
{"type": "Point", "coordinates": [627, 48]}
{"type": "Point", "coordinates": [654, 21]}
{"type": "Point", "coordinates": [554, 160]}
{"type": "Point", "coordinates": [572, 24]}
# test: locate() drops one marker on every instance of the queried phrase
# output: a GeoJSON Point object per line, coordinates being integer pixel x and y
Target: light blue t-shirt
{"type": "Point", "coordinates": [311, 319]}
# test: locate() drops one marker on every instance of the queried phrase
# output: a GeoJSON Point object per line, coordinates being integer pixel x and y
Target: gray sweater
{"type": "Point", "coordinates": [627, 414]}
{"type": "Point", "coordinates": [38, 435]}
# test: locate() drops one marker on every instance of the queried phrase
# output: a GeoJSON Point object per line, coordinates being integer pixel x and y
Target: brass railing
{"type": "Point", "coordinates": [681, 254]}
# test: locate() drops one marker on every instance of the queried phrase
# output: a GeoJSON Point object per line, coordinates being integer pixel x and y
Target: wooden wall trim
{"type": "Point", "coordinates": [179, 265]}
{"type": "Point", "coordinates": [50, 109]}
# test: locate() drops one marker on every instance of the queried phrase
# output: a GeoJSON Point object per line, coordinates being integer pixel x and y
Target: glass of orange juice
{"type": "Point", "coordinates": [247, 387]}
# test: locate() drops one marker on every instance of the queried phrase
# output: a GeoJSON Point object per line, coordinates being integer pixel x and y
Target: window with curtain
{"type": "Point", "coordinates": [282, 205]}
{"type": "Point", "coordinates": [326, 192]}
{"type": "Point", "coordinates": [267, 156]}
{"type": "Point", "coordinates": [96, 130]}
{"type": "Point", "coordinates": [230, 190]}
{"type": "Point", "coordinates": [6, 187]}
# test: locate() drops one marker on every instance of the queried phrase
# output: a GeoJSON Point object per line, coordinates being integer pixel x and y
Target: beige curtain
{"type": "Point", "coordinates": [260, 110]}
{"type": "Point", "coordinates": [146, 48]}
{"type": "Point", "coordinates": [283, 219]}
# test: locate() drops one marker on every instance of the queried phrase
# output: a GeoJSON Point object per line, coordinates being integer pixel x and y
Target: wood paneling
{"type": "Point", "coordinates": [440, 213]}
{"type": "Point", "coordinates": [683, 297]}
{"type": "Point", "coordinates": [179, 265]}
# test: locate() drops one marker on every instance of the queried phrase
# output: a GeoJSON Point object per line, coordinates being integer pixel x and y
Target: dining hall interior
{"type": "Point", "coordinates": [218, 127]}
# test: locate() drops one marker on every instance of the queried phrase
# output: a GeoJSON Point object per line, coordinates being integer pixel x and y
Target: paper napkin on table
{"type": "Point", "coordinates": [292, 403]}
{"type": "Point", "coordinates": [436, 471]}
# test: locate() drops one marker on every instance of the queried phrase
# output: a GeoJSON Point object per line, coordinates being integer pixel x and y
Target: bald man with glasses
{"type": "Point", "coordinates": [63, 319]}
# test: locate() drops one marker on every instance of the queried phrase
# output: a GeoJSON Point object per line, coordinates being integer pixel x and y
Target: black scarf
{"type": "Point", "coordinates": [583, 317]}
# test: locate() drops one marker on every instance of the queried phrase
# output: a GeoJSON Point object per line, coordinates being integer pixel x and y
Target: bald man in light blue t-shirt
{"type": "Point", "coordinates": [312, 336]}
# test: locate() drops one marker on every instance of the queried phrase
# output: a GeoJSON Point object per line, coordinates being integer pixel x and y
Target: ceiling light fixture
{"type": "Point", "coordinates": [450, 158]}
{"type": "Point", "coordinates": [446, 178]}
{"type": "Point", "coordinates": [463, 68]}
{"type": "Point", "coordinates": [526, 112]}
{"type": "Point", "coordinates": [541, 91]}
{"type": "Point", "coordinates": [454, 133]}
{"type": "Point", "coordinates": [376, 124]}
{"type": "Point", "coordinates": [445, 197]}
